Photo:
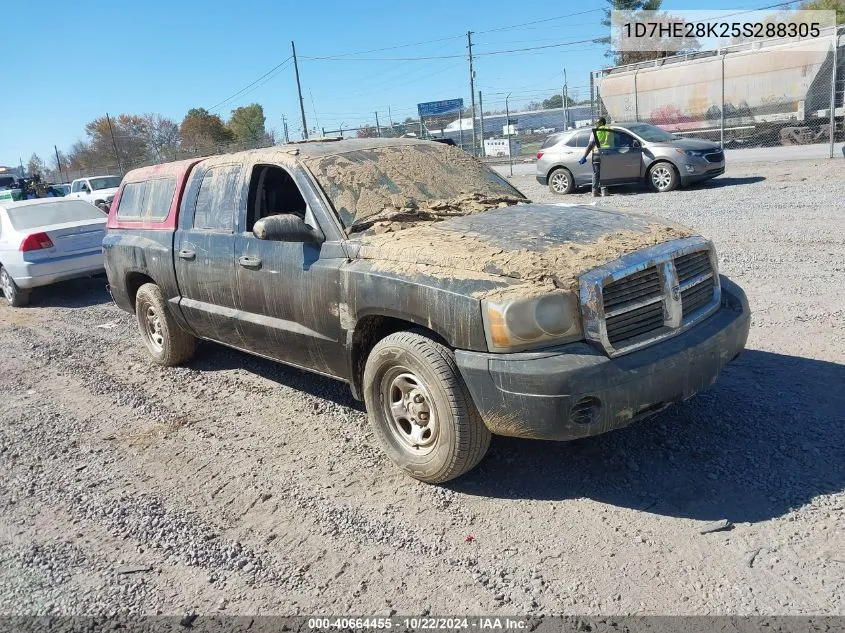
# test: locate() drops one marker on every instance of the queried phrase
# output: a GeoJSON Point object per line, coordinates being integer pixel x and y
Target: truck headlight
{"type": "Point", "coordinates": [526, 323]}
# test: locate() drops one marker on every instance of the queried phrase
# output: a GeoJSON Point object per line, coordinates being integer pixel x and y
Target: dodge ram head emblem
{"type": "Point", "coordinates": [676, 293]}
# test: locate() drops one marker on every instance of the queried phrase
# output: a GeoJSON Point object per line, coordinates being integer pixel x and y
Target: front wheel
{"type": "Point", "coordinates": [167, 343]}
{"type": "Point", "coordinates": [420, 409]}
{"type": "Point", "coordinates": [15, 297]}
{"type": "Point", "coordinates": [663, 177]}
{"type": "Point", "coordinates": [561, 181]}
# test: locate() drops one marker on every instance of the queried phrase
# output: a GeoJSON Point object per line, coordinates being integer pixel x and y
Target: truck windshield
{"type": "Point", "coordinates": [409, 183]}
{"type": "Point", "coordinates": [104, 182]}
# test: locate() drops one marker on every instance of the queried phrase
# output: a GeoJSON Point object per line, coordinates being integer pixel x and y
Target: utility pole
{"type": "Point", "coordinates": [472, 91]}
{"type": "Point", "coordinates": [390, 117]}
{"type": "Point", "coordinates": [59, 164]}
{"type": "Point", "coordinates": [481, 115]}
{"type": "Point", "coordinates": [508, 124]}
{"type": "Point", "coordinates": [378, 127]}
{"type": "Point", "coordinates": [299, 91]}
{"type": "Point", "coordinates": [565, 101]}
{"type": "Point", "coordinates": [114, 143]}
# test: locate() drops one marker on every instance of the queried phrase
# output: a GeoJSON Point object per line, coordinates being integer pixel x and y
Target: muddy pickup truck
{"type": "Point", "coordinates": [452, 305]}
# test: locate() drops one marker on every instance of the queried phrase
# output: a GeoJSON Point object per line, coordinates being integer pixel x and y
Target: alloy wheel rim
{"type": "Point", "coordinates": [661, 177]}
{"type": "Point", "coordinates": [409, 410]}
{"type": "Point", "coordinates": [560, 182]}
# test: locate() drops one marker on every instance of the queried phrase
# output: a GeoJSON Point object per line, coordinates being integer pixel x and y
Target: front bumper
{"type": "Point", "coordinates": [576, 390]}
{"type": "Point", "coordinates": [50, 271]}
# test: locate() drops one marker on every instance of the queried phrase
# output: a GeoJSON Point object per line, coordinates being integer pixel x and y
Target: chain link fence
{"type": "Point", "coordinates": [761, 94]}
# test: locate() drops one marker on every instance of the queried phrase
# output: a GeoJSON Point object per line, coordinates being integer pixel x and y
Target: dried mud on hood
{"type": "Point", "coordinates": [408, 184]}
{"type": "Point", "coordinates": [546, 248]}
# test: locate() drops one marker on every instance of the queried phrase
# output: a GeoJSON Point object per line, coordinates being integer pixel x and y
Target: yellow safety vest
{"type": "Point", "coordinates": [602, 135]}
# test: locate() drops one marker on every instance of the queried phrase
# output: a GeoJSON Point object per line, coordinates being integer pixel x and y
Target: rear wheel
{"type": "Point", "coordinates": [561, 181]}
{"type": "Point", "coordinates": [420, 409]}
{"type": "Point", "coordinates": [15, 297]}
{"type": "Point", "coordinates": [663, 177]}
{"type": "Point", "coordinates": [166, 342]}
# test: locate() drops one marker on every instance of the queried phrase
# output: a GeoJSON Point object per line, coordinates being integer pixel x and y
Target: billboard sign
{"type": "Point", "coordinates": [439, 108]}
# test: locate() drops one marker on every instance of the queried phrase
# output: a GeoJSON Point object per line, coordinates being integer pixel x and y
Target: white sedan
{"type": "Point", "coordinates": [45, 241]}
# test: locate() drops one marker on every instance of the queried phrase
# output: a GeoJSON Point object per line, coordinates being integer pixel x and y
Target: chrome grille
{"type": "Point", "coordinates": [650, 295]}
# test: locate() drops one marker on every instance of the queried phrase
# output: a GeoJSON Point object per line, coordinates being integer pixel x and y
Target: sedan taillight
{"type": "Point", "coordinates": [36, 242]}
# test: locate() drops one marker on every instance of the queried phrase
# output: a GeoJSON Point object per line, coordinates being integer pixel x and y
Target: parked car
{"type": "Point", "coordinates": [450, 304]}
{"type": "Point", "coordinates": [59, 190]}
{"type": "Point", "coordinates": [47, 240]}
{"type": "Point", "coordinates": [638, 153]}
{"type": "Point", "coordinates": [98, 190]}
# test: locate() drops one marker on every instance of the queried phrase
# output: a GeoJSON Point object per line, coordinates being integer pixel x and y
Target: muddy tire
{"type": "Point", "coordinates": [166, 342]}
{"type": "Point", "coordinates": [15, 297]}
{"type": "Point", "coordinates": [663, 177]}
{"type": "Point", "coordinates": [561, 181]}
{"type": "Point", "coordinates": [420, 409]}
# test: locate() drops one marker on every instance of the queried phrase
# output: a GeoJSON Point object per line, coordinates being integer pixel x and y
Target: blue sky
{"type": "Point", "coordinates": [69, 62]}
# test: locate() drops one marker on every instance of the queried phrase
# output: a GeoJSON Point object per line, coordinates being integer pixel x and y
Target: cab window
{"type": "Point", "coordinates": [272, 191]}
{"type": "Point", "coordinates": [217, 199]}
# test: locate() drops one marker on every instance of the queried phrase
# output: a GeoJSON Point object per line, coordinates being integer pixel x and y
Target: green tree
{"type": "Point", "coordinates": [827, 5]}
{"type": "Point", "coordinates": [247, 123]}
{"type": "Point", "coordinates": [35, 165]}
{"type": "Point", "coordinates": [202, 130]}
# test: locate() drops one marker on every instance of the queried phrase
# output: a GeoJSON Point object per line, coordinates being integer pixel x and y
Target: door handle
{"type": "Point", "coordinates": [187, 253]}
{"type": "Point", "coordinates": [249, 262]}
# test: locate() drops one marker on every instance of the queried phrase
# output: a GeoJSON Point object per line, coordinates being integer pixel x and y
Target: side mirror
{"type": "Point", "coordinates": [286, 227]}
{"type": "Point", "coordinates": [636, 144]}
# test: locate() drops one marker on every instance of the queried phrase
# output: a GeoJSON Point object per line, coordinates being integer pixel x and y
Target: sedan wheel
{"type": "Point", "coordinates": [14, 295]}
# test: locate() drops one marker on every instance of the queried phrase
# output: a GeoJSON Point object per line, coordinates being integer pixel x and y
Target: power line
{"type": "Point", "coordinates": [559, 17]}
{"type": "Point", "coordinates": [590, 40]}
{"type": "Point", "coordinates": [247, 87]}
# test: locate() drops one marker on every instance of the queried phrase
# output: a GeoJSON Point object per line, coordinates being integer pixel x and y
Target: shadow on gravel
{"type": "Point", "coordinates": [76, 293]}
{"type": "Point", "coordinates": [726, 181]}
{"type": "Point", "coordinates": [766, 438]}
{"type": "Point", "coordinates": [214, 357]}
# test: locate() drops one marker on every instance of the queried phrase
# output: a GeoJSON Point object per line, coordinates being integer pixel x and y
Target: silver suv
{"type": "Point", "coordinates": [638, 153]}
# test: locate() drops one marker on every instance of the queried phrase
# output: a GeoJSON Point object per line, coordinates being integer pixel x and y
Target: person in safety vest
{"type": "Point", "coordinates": [601, 136]}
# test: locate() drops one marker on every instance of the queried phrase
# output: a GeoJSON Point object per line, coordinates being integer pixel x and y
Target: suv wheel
{"type": "Point", "coordinates": [420, 409]}
{"type": "Point", "coordinates": [167, 343]}
{"type": "Point", "coordinates": [15, 296]}
{"type": "Point", "coordinates": [561, 181]}
{"type": "Point", "coordinates": [663, 177]}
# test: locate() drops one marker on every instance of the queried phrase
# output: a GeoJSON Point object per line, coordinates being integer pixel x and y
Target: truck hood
{"type": "Point", "coordinates": [103, 193]}
{"type": "Point", "coordinates": [536, 245]}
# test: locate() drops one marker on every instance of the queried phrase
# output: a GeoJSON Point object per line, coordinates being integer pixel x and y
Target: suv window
{"type": "Point", "coordinates": [76, 186]}
{"type": "Point", "coordinates": [621, 139]}
{"type": "Point", "coordinates": [552, 140]}
{"type": "Point", "coordinates": [217, 199]}
{"type": "Point", "coordinates": [579, 139]}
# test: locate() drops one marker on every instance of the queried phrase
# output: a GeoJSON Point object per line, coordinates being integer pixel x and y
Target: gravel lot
{"type": "Point", "coordinates": [244, 486]}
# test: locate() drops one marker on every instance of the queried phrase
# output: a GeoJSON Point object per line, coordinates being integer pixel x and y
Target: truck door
{"type": "Point", "coordinates": [204, 249]}
{"type": "Point", "coordinates": [622, 161]}
{"type": "Point", "coordinates": [289, 292]}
